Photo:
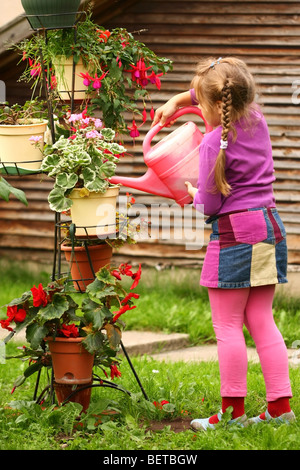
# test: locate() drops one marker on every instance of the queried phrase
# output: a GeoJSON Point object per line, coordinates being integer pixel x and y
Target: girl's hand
{"type": "Point", "coordinates": [163, 113]}
{"type": "Point", "coordinates": [191, 189]}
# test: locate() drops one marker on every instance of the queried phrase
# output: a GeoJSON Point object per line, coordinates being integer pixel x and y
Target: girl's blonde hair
{"type": "Point", "coordinates": [230, 82]}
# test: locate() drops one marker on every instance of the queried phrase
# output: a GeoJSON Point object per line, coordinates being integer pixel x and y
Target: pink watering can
{"type": "Point", "coordinates": [171, 162]}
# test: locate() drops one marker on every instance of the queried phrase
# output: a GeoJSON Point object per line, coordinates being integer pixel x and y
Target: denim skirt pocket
{"type": "Point", "coordinates": [249, 227]}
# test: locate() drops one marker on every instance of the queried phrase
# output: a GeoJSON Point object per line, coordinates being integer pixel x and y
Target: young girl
{"type": "Point", "coordinates": [247, 254]}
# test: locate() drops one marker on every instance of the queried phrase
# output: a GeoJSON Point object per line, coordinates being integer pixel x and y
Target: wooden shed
{"type": "Point", "coordinates": [264, 34]}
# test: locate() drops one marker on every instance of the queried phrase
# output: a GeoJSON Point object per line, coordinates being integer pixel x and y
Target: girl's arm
{"type": "Point", "coordinates": [170, 107]}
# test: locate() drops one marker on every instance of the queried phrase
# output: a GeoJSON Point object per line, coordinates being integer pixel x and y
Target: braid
{"type": "Point", "coordinates": [220, 177]}
{"type": "Point", "coordinates": [226, 110]}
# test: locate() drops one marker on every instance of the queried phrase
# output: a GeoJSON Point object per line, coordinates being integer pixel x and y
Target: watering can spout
{"type": "Point", "coordinates": [171, 162]}
{"type": "Point", "coordinates": [149, 183]}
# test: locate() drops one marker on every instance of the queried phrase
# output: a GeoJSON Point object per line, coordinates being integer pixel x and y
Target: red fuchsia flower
{"type": "Point", "coordinates": [154, 78]}
{"type": "Point", "coordinates": [87, 79]}
{"type": "Point", "coordinates": [119, 62]}
{"type": "Point", "coordinates": [136, 277]}
{"type": "Point", "coordinates": [114, 372]}
{"type": "Point", "coordinates": [139, 72]}
{"type": "Point", "coordinates": [36, 68]}
{"type": "Point", "coordinates": [122, 310]}
{"type": "Point", "coordinates": [39, 296]}
{"type": "Point", "coordinates": [53, 82]}
{"type": "Point", "coordinates": [69, 331]}
{"type": "Point", "coordinates": [97, 80]}
{"type": "Point", "coordinates": [133, 130]}
{"type": "Point", "coordinates": [152, 114]}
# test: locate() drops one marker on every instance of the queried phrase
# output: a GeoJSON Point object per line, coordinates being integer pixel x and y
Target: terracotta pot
{"type": "Point", "coordinates": [16, 150]}
{"type": "Point", "coordinates": [80, 266]}
{"type": "Point", "coordinates": [41, 8]}
{"type": "Point", "coordinates": [94, 215]}
{"type": "Point", "coordinates": [64, 75]}
{"type": "Point", "coordinates": [72, 363]}
{"type": "Point", "coordinates": [82, 396]}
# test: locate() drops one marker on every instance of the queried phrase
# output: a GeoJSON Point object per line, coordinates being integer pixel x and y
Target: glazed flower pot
{"type": "Point", "coordinates": [72, 363]}
{"type": "Point", "coordinates": [84, 264]}
{"type": "Point", "coordinates": [64, 75]}
{"type": "Point", "coordinates": [94, 215]}
{"type": "Point", "coordinates": [40, 9]}
{"type": "Point", "coordinates": [17, 152]}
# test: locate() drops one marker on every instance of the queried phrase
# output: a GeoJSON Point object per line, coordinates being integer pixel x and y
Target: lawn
{"type": "Point", "coordinates": [170, 300]}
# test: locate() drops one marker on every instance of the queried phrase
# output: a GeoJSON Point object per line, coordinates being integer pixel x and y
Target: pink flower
{"type": "Point", "coordinates": [35, 138]}
{"type": "Point", "coordinates": [93, 134]}
{"type": "Point", "coordinates": [98, 123]}
{"type": "Point", "coordinates": [75, 117]}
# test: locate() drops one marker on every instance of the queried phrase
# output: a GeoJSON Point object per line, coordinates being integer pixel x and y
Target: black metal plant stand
{"type": "Point", "coordinates": [48, 391]}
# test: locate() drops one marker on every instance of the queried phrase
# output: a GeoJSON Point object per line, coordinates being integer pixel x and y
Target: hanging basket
{"type": "Point", "coordinates": [84, 262]}
{"type": "Point", "coordinates": [17, 154]}
{"type": "Point", "coordinates": [94, 215]}
{"type": "Point", "coordinates": [51, 13]}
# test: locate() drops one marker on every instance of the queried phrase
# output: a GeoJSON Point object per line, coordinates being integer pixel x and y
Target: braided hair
{"type": "Point", "coordinates": [229, 82]}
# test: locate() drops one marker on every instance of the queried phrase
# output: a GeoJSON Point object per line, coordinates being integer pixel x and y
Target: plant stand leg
{"type": "Point", "coordinates": [134, 372]}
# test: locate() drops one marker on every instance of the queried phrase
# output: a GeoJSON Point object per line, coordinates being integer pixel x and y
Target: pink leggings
{"type": "Point", "coordinates": [231, 308]}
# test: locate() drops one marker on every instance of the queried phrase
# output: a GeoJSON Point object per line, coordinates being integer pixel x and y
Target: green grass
{"type": "Point", "coordinates": [170, 300]}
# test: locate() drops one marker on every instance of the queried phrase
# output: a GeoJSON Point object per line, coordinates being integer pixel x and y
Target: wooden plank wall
{"type": "Point", "coordinates": [264, 34]}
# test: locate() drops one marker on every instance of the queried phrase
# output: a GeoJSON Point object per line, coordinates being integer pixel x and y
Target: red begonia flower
{"type": "Point", "coordinates": [39, 296]}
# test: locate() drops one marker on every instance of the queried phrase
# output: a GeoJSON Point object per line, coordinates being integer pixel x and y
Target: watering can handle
{"type": "Point", "coordinates": [177, 114]}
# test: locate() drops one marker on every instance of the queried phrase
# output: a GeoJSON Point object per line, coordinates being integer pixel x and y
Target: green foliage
{"type": "Point", "coordinates": [110, 58]}
{"type": "Point", "coordinates": [82, 159]}
{"type": "Point", "coordinates": [52, 311]}
{"type": "Point", "coordinates": [23, 114]}
{"type": "Point", "coordinates": [6, 189]}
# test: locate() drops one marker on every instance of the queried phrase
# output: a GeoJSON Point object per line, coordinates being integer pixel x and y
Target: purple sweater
{"type": "Point", "coordinates": [249, 169]}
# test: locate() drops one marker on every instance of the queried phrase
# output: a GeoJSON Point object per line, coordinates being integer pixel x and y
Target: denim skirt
{"type": "Point", "coordinates": [246, 249]}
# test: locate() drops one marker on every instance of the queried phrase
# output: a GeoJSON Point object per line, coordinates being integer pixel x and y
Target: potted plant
{"type": "Point", "coordinates": [51, 13]}
{"type": "Point", "coordinates": [54, 320]}
{"type": "Point", "coordinates": [81, 162]}
{"type": "Point", "coordinates": [19, 127]}
{"type": "Point", "coordinates": [118, 69]}
{"type": "Point", "coordinates": [86, 255]}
